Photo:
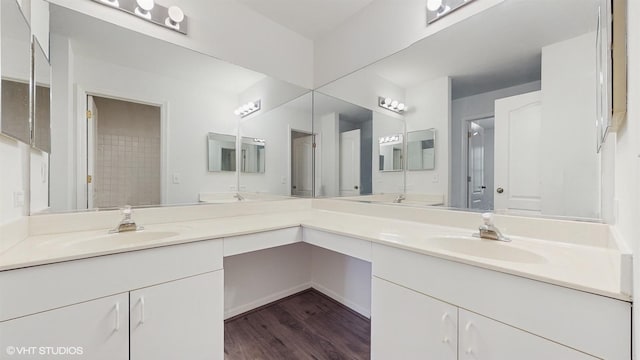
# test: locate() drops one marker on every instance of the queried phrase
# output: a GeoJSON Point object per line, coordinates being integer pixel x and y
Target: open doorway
{"type": "Point", "coordinates": [123, 153]}
{"type": "Point", "coordinates": [301, 163]}
{"type": "Point", "coordinates": [480, 163]}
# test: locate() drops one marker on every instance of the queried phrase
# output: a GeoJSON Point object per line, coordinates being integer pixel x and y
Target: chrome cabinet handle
{"type": "Point", "coordinates": [141, 309]}
{"type": "Point", "coordinates": [117, 327]}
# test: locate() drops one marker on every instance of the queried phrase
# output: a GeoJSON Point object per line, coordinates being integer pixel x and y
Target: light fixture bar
{"type": "Point", "coordinates": [390, 104]}
{"type": "Point", "coordinates": [437, 9]}
{"type": "Point", "coordinates": [172, 18]}
{"type": "Point", "coordinates": [248, 108]}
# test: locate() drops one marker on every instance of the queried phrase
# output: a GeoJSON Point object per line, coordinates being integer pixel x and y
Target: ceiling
{"type": "Point", "coordinates": [309, 18]}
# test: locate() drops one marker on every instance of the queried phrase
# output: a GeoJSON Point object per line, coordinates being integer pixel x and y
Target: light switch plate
{"type": "Point", "coordinates": [176, 178]}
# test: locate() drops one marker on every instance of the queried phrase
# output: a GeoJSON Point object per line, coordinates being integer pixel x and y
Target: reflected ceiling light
{"type": "Point", "coordinates": [393, 105]}
{"type": "Point", "coordinates": [144, 8]}
{"type": "Point", "coordinates": [172, 18]}
{"type": "Point", "coordinates": [175, 15]}
{"type": "Point", "coordinates": [248, 108]}
{"type": "Point", "coordinates": [389, 139]}
{"type": "Point", "coordinates": [437, 9]}
{"type": "Point", "coordinates": [114, 3]}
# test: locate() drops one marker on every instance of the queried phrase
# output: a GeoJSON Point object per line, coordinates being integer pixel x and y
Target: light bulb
{"type": "Point", "coordinates": [394, 104]}
{"type": "Point", "coordinates": [176, 15]}
{"type": "Point", "coordinates": [251, 105]}
{"type": "Point", "coordinates": [245, 108]}
{"type": "Point", "coordinates": [236, 111]}
{"type": "Point", "coordinates": [146, 5]}
{"type": "Point", "coordinates": [401, 106]}
{"type": "Point", "coordinates": [386, 102]}
{"type": "Point", "coordinates": [434, 5]}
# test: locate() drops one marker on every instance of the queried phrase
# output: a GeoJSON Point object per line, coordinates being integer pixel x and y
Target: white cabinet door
{"type": "Point", "coordinates": [96, 330]}
{"type": "Point", "coordinates": [482, 338]}
{"type": "Point", "coordinates": [181, 319]}
{"type": "Point", "coordinates": [408, 325]}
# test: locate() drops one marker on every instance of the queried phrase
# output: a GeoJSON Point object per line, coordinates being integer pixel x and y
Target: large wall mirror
{"type": "Point", "coordinates": [511, 94]}
{"type": "Point", "coordinates": [16, 72]}
{"type": "Point", "coordinates": [41, 99]}
{"type": "Point", "coordinates": [130, 114]}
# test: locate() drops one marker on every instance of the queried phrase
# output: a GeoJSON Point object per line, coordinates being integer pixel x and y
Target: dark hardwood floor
{"type": "Point", "coordinates": [307, 325]}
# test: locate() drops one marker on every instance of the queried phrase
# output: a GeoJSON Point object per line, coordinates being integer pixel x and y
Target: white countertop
{"type": "Point", "coordinates": [587, 268]}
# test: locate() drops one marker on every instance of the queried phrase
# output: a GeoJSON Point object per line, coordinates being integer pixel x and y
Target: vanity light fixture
{"type": "Point", "coordinates": [436, 9]}
{"type": "Point", "coordinates": [390, 104]}
{"type": "Point", "coordinates": [248, 108]}
{"type": "Point", "coordinates": [256, 140]}
{"type": "Point", "coordinates": [171, 17]}
{"type": "Point", "coordinates": [389, 139]}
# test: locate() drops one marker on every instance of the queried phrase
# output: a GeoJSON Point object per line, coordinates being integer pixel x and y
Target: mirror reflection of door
{"type": "Point", "coordinates": [301, 164]}
{"type": "Point", "coordinates": [518, 163]}
{"type": "Point", "coordinates": [123, 153]}
{"type": "Point", "coordinates": [480, 163]}
{"type": "Point", "coordinates": [350, 163]}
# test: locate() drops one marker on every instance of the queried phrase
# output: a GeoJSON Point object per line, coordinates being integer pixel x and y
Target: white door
{"type": "Point", "coordinates": [350, 163]}
{"type": "Point", "coordinates": [92, 143]}
{"type": "Point", "coordinates": [408, 325]}
{"type": "Point", "coordinates": [475, 166]}
{"type": "Point", "coordinates": [484, 339]}
{"type": "Point", "coordinates": [517, 153]}
{"type": "Point", "coordinates": [97, 329]}
{"type": "Point", "coordinates": [302, 162]}
{"type": "Point", "coordinates": [182, 319]}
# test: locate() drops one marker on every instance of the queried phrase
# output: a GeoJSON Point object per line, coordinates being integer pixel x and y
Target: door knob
{"type": "Point", "coordinates": [356, 187]}
{"type": "Point", "coordinates": [499, 190]}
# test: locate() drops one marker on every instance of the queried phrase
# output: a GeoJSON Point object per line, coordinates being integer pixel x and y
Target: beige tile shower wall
{"type": "Point", "coordinates": [128, 153]}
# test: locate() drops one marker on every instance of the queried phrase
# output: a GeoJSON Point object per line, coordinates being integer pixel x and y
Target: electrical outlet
{"type": "Point", "coordinates": [436, 178]}
{"type": "Point", "coordinates": [18, 199]}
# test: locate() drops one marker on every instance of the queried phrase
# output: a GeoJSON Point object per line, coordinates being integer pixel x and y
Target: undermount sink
{"type": "Point", "coordinates": [489, 249]}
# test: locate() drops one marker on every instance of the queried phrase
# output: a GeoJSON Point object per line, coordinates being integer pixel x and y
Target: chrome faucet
{"type": "Point", "coordinates": [239, 197]}
{"type": "Point", "coordinates": [399, 199]}
{"type": "Point", "coordinates": [127, 223]}
{"type": "Point", "coordinates": [489, 231]}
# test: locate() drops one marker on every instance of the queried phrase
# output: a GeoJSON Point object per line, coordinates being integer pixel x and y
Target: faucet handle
{"type": "Point", "coordinates": [487, 218]}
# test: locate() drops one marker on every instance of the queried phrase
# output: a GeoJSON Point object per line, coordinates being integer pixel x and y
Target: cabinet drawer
{"type": "Point", "coordinates": [357, 248]}
{"type": "Point", "coordinates": [246, 243]}
{"type": "Point", "coordinates": [594, 324]}
{"type": "Point", "coordinates": [39, 288]}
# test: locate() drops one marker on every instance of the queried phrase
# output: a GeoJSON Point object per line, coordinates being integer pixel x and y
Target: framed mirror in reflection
{"type": "Point", "coordinates": [16, 72]}
{"type": "Point", "coordinates": [421, 150]}
{"type": "Point", "coordinates": [41, 99]}
{"type": "Point", "coordinates": [221, 152]}
{"type": "Point", "coordinates": [530, 98]}
{"type": "Point", "coordinates": [143, 103]}
{"type": "Point", "coordinates": [252, 158]}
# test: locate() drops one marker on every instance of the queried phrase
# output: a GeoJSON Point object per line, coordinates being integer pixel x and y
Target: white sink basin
{"type": "Point", "coordinates": [489, 249]}
{"type": "Point", "coordinates": [116, 239]}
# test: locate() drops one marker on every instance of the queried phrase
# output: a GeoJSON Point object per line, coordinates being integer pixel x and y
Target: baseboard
{"type": "Point", "coordinates": [342, 300]}
{"type": "Point", "coordinates": [229, 313]}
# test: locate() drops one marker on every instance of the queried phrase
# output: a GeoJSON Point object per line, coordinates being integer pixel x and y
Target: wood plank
{"type": "Point", "coordinates": [307, 325]}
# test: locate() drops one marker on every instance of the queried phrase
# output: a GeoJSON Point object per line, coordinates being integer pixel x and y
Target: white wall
{"type": "Point", "coordinates": [343, 278]}
{"type": "Point", "coordinates": [260, 277]}
{"type": "Point", "coordinates": [625, 144]}
{"type": "Point", "coordinates": [39, 181]}
{"type": "Point", "coordinates": [275, 128]}
{"type": "Point", "coordinates": [430, 107]}
{"type": "Point", "coordinates": [569, 139]}
{"type": "Point", "coordinates": [227, 30]}
{"type": "Point", "coordinates": [272, 93]}
{"type": "Point", "coordinates": [379, 30]}
{"type": "Point", "coordinates": [468, 108]}
{"type": "Point", "coordinates": [13, 165]}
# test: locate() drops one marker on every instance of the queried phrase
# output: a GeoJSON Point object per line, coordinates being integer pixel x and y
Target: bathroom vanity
{"type": "Point", "coordinates": [160, 293]}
